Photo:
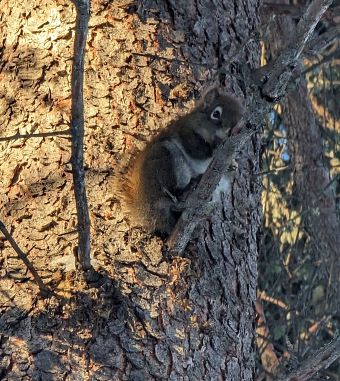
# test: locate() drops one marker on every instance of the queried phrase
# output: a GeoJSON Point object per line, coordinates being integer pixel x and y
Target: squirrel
{"type": "Point", "coordinates": [162, 174]}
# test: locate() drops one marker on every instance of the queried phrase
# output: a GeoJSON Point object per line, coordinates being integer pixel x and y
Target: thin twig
{"type": "Point", "coordinates": [322, 359]}
{"type": "Point", "coordinates": [324, 60]}
{"type": "Point", "coordinates": [314, 47]}
{"type": "Point", "coordinates": [267, 298]}
{"type": "Point", "coordinates": [35, 135]}
{"type": "Point", "coordinates": [277, 74]}
{"type": "Point", "coordinates": [274, 170]}
{"type": "Point", "coordinates": [318, 44]}
{"type": "Point", "coordinates": [197, 204]}
{"type": "Point", "coordinates": [210, 65]}
{"type": "Point", "coordinates": [175, 60]}
{"type": "Point", "coordinates": [77, 131]}
{"type": "Point", "coordinates": [266, 88]}
{"type": "Point", "coordinates": [43, 288]}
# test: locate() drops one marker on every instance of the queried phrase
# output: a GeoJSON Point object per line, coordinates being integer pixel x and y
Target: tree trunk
{"type": "Point", "coordinates": [155, 317]}
{"type": "Point", "coordinates": [312, 188]}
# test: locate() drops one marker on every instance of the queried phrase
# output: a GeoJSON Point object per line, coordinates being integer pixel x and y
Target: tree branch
{"type": "Point", "coordinates": [198, 203]}
{"type": "Point", "coordinates": [77, 131]}
{"type": "Point", "coordinates": [324, 60]}
{"type": "Point", "coordinates": [266, 86]}
{"type": "Point", "coordinates": [35, 135]}
{"type": "Point", "coordinates": [322, 359]}
{"type": "Point", "coordinates": [43, 288]}
{"type": "Point", "coordinates": [320, 43]}
{"type": "Point", "coordinates": [277, 74]}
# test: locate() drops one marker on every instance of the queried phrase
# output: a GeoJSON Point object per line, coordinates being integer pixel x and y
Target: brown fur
{"type": "Point", "coordinates": [161, 173]}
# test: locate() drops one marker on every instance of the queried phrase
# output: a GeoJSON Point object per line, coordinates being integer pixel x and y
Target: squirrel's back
{"type": "Point", "coordinates": [154, 184]}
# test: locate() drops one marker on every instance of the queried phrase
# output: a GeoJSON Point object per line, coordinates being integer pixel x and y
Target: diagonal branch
{"type": "Point", "coordinates": [318, 44]}
{"type": "Point", "coordinates": [277, 74]}
{"type": "Point", "coordinates": [43, 288]}
{"type": "Point", "coordinates": [77, 131]}
{"type": "Point", "coordinates": [35, 135]}
{"type": "Point", "coordinates": [322, 359]}
{"type": "Point", "coordinates": [267, 86]}
{"type": "Point", "coordinates": [197, 204]}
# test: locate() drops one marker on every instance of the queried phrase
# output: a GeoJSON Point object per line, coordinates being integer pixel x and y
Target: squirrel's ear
{"type": "Point", "coordinates": [210, 96]}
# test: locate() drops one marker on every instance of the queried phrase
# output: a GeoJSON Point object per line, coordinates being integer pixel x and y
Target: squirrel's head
{"type": "Point", "coordinates": [215, 115]}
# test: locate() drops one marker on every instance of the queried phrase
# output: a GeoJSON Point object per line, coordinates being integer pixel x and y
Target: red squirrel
{"type": "Point", "coordinates": [152, 188]}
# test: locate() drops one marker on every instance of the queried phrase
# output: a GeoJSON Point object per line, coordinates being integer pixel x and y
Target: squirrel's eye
{"type": "Point", "coordinates": [216, 113]}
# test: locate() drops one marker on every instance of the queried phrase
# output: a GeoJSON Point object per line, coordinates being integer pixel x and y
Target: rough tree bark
{"type": "Point", "coordinates": [77, 133]}
{"type": "Point", "coordinates": [156, 317]}
{"type": "Point", "coordinates": [312, 187]}
{"type": "Point", "coordinates": [311, 176]}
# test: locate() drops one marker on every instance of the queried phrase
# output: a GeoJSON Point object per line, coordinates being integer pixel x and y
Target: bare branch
{"type": "Point", "coordinates": [77, 131]}
{"type": "Point", "coordinates": [262, 295]}
{"type": "Point", "coordinates": [318, 44]}
{"type": "Point", "coordinates": [277, 74]}
{"type": "Point", "coordinates": [35, 135]}
{"type": "Point", "coordinates": [263, 93]}
{"type": "Point", "coordinates": [43, 288]}
{"type": "Point", "coordinates": [177, 60]}
{"type": "Point", "coordinates": [198, 203]}
{"type": "Point", "coordinates": [325, 59]}
{"type": "Point", "coordinates": [322, 359]}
